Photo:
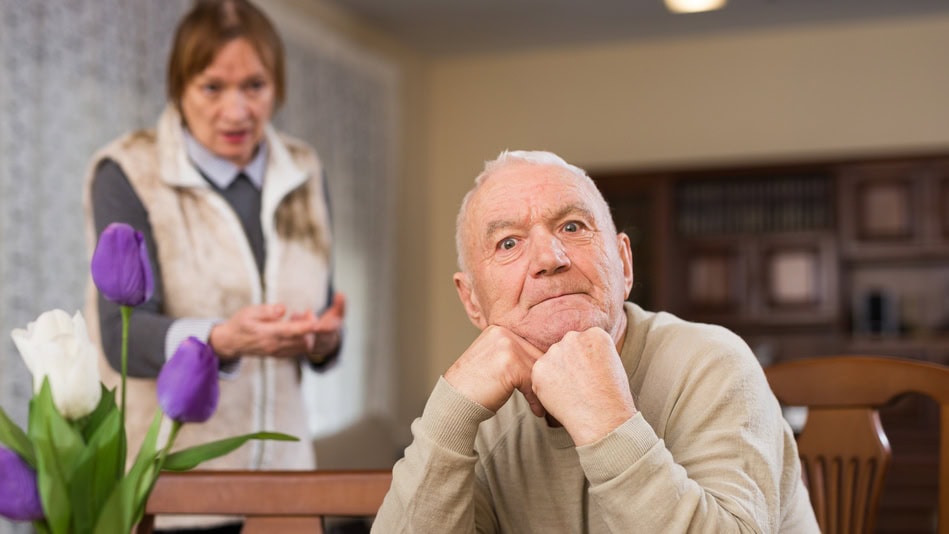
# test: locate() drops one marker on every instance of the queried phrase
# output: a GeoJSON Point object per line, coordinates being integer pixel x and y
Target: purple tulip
{"type": "Point", "coordinates": [187, 385]}
{"type": "Point", "coordinates": [19, 496]}
{"type": "Point", "coordinates": [120, 266]}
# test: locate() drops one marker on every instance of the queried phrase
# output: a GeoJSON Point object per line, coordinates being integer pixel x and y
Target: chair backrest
{"type": "Point", "coordinates": [270, 501]}
{"type": "Point", "coordinates": [844, 451]}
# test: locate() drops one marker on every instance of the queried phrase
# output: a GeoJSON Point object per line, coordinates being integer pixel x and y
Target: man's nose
{"type": "Point", "coordinates": [549, 256]}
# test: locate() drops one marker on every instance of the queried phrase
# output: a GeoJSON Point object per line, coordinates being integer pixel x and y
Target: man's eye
{"type": "Point", "coordinates": [571, 227]}
{"type": "Point", "coordinates": [507, 244]}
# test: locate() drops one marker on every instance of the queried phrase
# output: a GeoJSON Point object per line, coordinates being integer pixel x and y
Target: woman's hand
{"type": "Point", "coordinates": [263, 330]}
{"type": "Point", "coordinates": [328, 327]}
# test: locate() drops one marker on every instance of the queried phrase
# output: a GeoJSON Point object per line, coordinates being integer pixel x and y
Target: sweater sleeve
{"type": "Point", "coordinates": [114, 200]}
{"type": "Point", "coordinates": [434, 487]}
{"type": "Point", "coordinates": [722, 466]}
{"type": "Point", "coordinates": [328, 361]}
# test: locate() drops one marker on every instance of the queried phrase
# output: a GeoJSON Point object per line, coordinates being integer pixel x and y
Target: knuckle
{"type": "Point", "coordinates": [571, 337]}
{"type": "Point", "coordinates": [539, 370]}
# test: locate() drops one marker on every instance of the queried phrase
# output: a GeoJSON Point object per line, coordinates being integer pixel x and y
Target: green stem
{"type": "Point", "coordinates": [159, 463]}
{"type": "Point", "coordinates": [126, 316]}
{"type": "Point", "coordinates": [175, 427]}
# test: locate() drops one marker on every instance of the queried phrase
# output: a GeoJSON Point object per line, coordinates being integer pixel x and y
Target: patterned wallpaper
{"type": "Point", "coordinates": [77, 74]}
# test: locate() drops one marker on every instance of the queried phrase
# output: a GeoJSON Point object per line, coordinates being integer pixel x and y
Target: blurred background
{"type": "Point", "coordinates": [782, 167]}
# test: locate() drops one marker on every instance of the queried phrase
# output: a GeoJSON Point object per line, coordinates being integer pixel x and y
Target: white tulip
{"type": "Point", "coordinates": [58, 347]}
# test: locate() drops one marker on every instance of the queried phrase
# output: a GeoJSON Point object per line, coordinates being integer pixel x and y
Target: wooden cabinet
{"type": "Point", "coordinates": [859, 249]}
{"type": "Point", "coordinates": [896, 256]}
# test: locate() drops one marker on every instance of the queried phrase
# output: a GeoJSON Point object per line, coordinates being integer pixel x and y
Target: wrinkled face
{"type": "Point", "coordinates": [542, 256]}
{"type": "Point", "coordinates": [228, 104]}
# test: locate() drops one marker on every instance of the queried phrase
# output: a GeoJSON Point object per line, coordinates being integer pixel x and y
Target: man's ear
{"type": "Point", "coordinates": [469, 300]}
{"type": "Point", "coordinates": [626, 256]}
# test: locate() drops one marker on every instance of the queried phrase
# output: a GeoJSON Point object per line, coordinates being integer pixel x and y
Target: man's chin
{"type": "Point", "coordinates": [552, 330]}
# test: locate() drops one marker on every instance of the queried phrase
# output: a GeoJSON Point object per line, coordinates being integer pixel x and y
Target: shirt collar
{"type": "Point", "coordinates": [220, 171]}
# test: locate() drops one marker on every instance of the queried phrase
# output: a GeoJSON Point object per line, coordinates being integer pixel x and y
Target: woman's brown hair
{"type": "Point", "coordinates": [209, 26]}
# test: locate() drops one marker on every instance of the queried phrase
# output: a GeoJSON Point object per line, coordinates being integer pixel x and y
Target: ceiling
{"type": "Point", "coordinates": [451, 27]}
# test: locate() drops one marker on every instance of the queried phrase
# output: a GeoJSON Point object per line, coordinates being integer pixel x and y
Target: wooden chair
{"type": "Point", "coordinates": [284, 502]}
{"type": "Point", "coordinates": [843, 448]}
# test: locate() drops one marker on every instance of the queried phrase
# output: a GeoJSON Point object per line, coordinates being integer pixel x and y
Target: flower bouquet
{"type": "Point", "coordinates": [67, 472]}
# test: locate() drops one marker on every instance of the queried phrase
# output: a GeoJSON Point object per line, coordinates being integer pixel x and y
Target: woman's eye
{"type": "Point", "coordinates": [508, 244]}
{"type": "Point", "coordinates": [255, 85]}
{"type": "Point", "coordinates": [211, 88]}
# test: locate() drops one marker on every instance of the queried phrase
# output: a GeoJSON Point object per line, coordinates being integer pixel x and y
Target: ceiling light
{"type": "Point", "coordinates": [694, 6]}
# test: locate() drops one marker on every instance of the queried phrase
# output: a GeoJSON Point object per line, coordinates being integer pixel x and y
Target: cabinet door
{"type": "Point", "coordinates": [715, 276]}
{"type": "Point", "coordinates": [798, 279]}
{"type": "Point", "coordinates": [881, 209]}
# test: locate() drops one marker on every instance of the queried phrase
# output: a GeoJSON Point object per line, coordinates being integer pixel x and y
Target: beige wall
{"type": "Point", "coordinates": [413, 199]}
{"type": "Point", "coordinates": [782, 94]}
{"type": "Point", "coordinates": [803, 92]}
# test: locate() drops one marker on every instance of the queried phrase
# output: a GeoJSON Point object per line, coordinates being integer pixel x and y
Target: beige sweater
{"type": "Point", "coordinates": [707, 452]}
{"type": "Point", "coordinates": [208, 271]}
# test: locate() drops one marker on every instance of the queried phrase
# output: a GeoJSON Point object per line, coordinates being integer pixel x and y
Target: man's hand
{"type": "Point", "coordinates": [496, 363]}
{"type": "Point", "coordinates": [582, 383]}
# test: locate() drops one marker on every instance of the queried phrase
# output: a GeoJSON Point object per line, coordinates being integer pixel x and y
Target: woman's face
{"type": "Point", "coordinates": [227, 105]}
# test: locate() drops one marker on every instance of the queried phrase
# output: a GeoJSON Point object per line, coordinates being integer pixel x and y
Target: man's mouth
{"type": "Point", "coordinates": [557, 296]}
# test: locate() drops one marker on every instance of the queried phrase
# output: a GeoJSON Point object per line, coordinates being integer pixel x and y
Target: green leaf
{"type": "Point", "coordinates": [66, 440]}
{"type": "Point", "coordinates": [16, 439]}
{"type": "Point", "coordinates": [190, 458]}
{"type": "Point", "coordinates": [120, 510]}
{"type": "Point", "coordinates": [144, 471]}
{"type": "Point", "coordinates": [116, 514]}
{"type": "Point", "coordinates": [96, 473]}
{"type": "Point", "coordinates": [57, 446]}
{"type": "Point", "coordinates": [100, 466]}
{"type": "Point", "coordinates": [105, 407]}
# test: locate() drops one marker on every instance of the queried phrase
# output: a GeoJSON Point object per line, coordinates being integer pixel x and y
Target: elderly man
{"type": "Point", "coordinates": [574, 411]}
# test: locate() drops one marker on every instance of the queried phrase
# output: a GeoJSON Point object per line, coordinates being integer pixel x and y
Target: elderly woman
{"type": "Point", "coordinates": [236, 219]}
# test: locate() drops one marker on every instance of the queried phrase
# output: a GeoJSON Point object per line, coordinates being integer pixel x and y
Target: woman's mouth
{"type": "Point", "coordinates": [235, 137]}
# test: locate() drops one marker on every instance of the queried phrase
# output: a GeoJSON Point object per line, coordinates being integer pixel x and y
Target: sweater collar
{"type": "Point", "coordinates": [281, 172]}
{"type": "Point", "coordinates": [636, 329]}
{"type": "Point", "coordinates": [222, 172]}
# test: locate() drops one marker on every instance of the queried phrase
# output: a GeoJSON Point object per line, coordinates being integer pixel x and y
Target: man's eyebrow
{"type": "Point", "coordinates": [574, 209]}
{"type": "Point", "coordinates": [496, 226]}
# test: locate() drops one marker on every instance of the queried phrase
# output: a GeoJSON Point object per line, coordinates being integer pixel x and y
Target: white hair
{"type": "Point", "coordinates": [507, 158]}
